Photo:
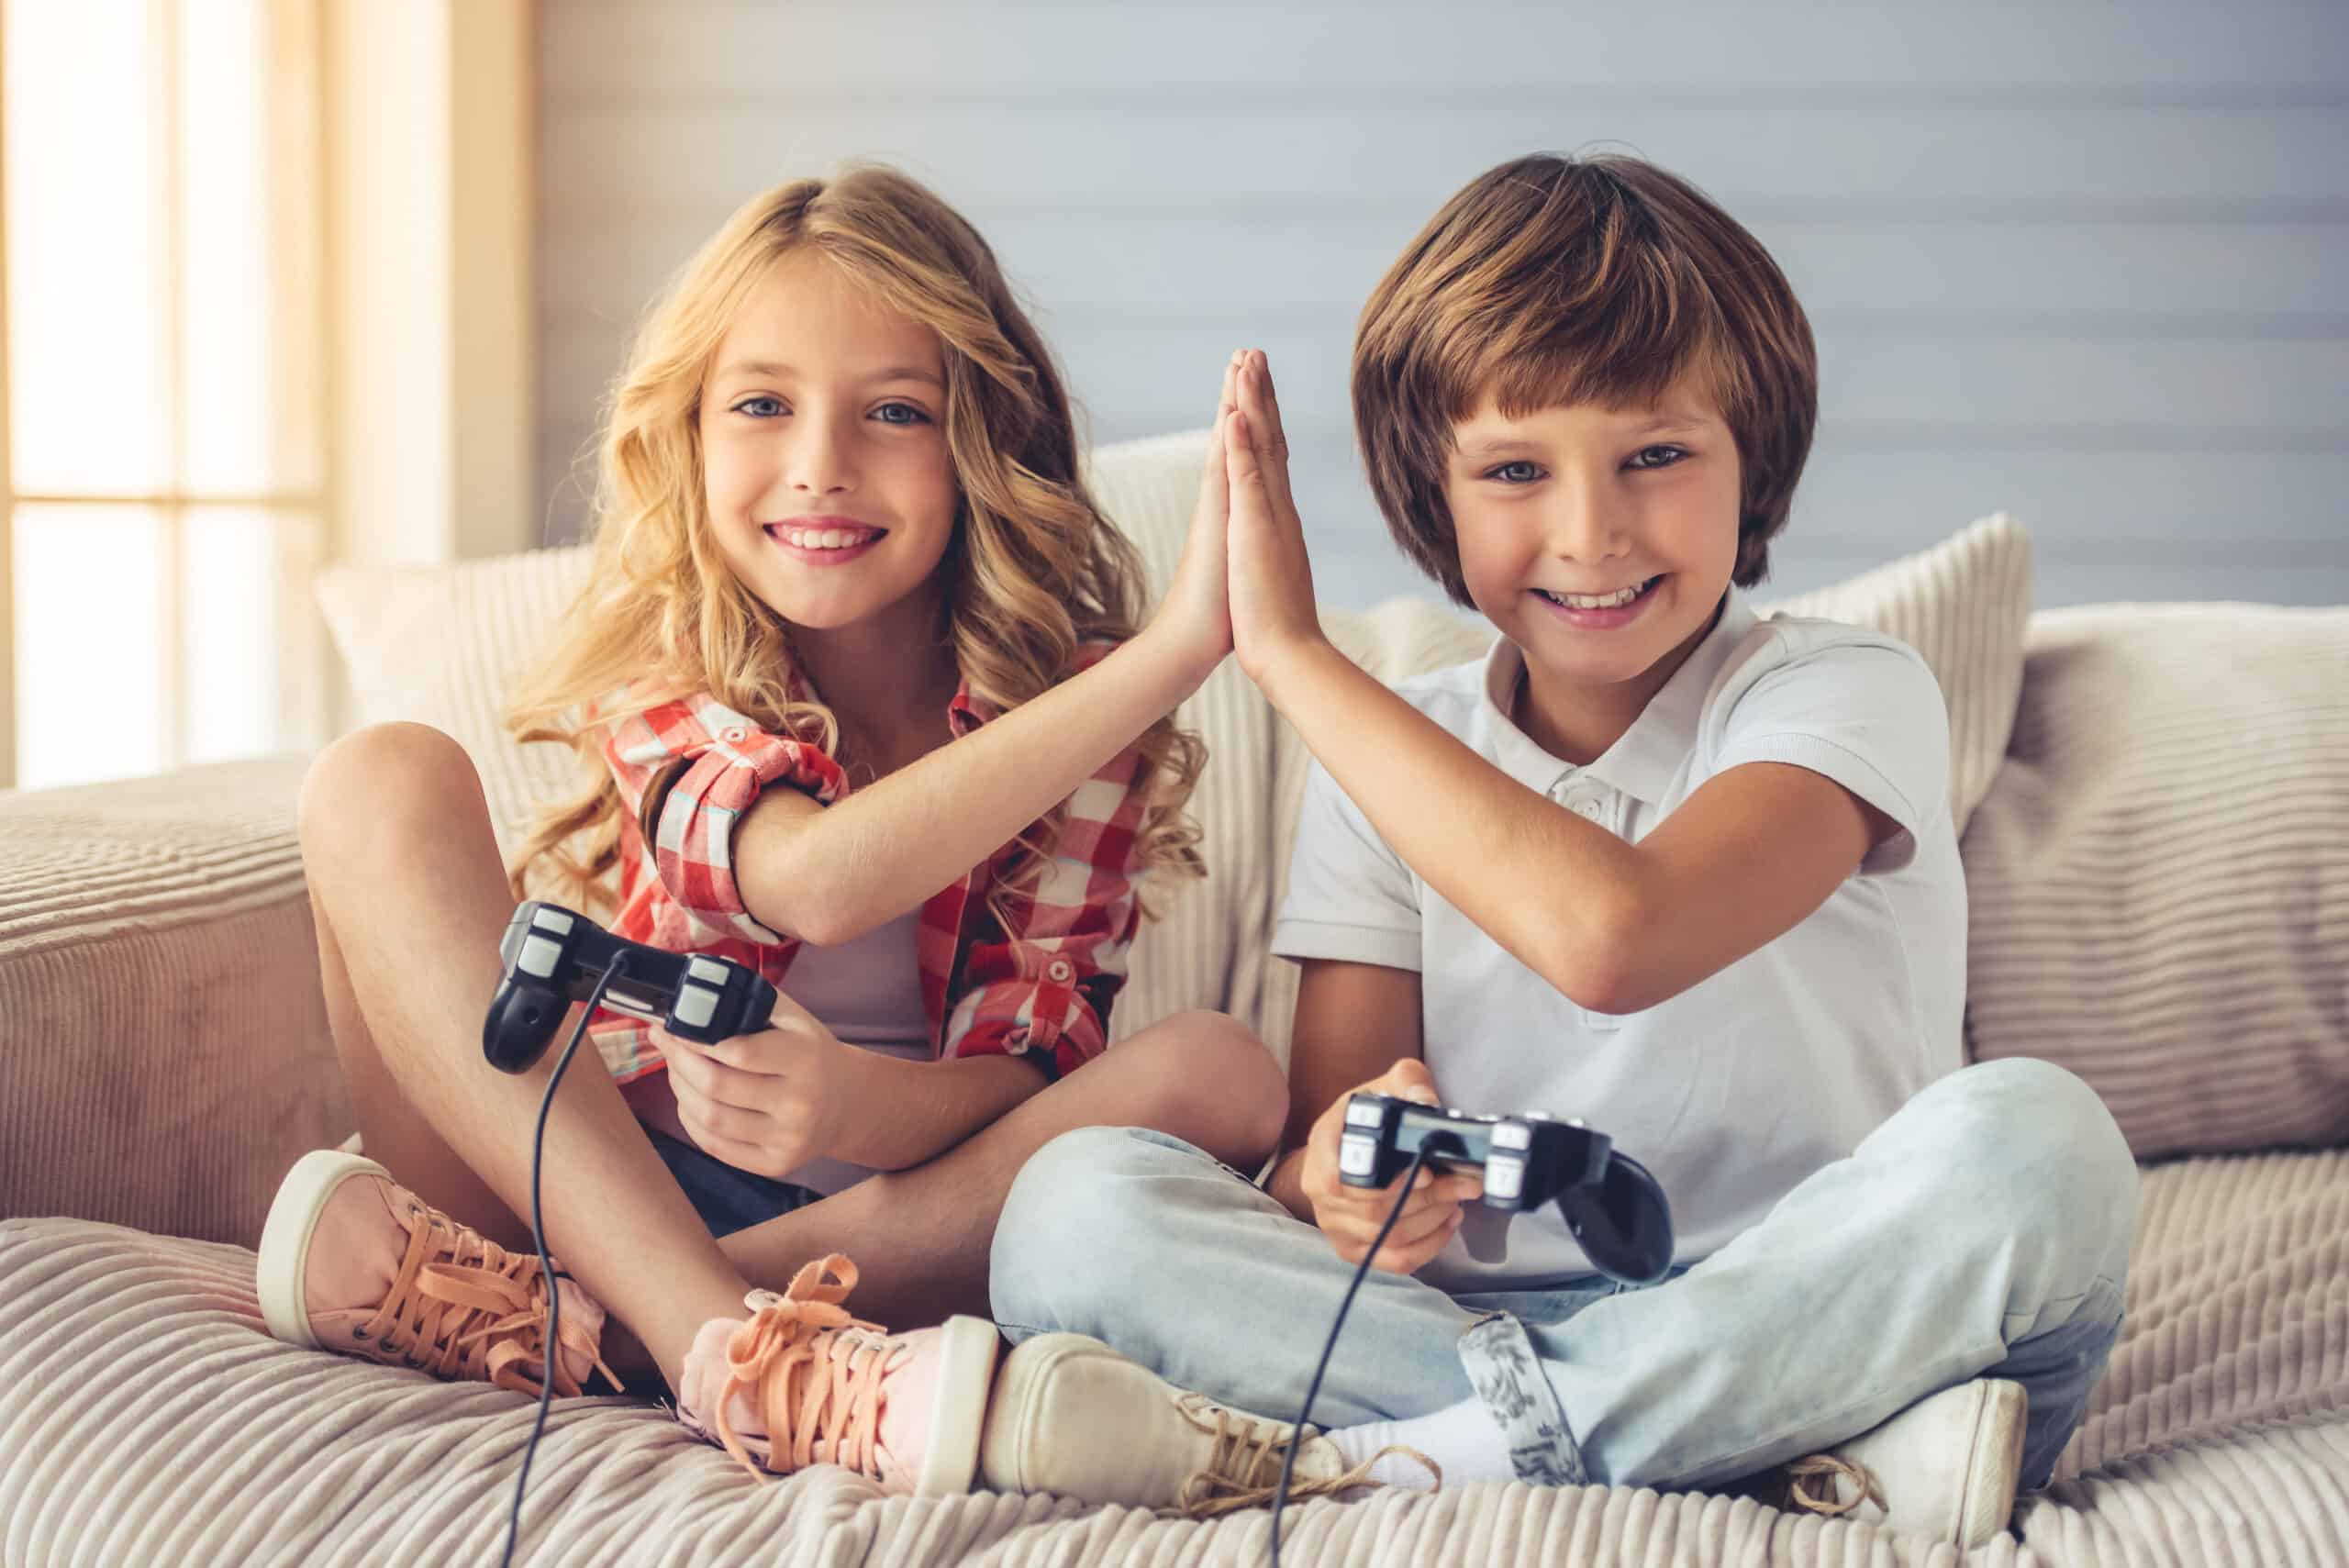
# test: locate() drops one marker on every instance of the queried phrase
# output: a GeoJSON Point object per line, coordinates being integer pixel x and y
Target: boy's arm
{"type": "Point", "coordinates": [1358, 1028]}
{"type": "Point", "coordinates": [1617, 927]}
{"type": "Point", "coordinates": [1354, 1022]}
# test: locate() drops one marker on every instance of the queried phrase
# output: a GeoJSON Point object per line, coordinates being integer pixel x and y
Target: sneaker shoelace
{"type": "Point", "coordinates": [461, 1306]}
{"type": "Point", "coordinates": [813, 1371]}
{"type": "Point", "coordinates": [1826, 1468]}
{"type": "Point", "coordinates": [1243, 1465]}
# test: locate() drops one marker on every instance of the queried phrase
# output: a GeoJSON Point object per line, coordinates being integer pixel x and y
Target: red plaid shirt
{"type": "Point", "coordinates": [1037, 984]}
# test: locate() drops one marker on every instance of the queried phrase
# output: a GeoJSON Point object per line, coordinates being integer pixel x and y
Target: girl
{"type": "Point", "coordinates": [857, 676]}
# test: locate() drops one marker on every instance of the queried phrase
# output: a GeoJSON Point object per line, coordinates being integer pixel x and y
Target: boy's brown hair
{"type": "Point", "coordinates": [1552, 280]}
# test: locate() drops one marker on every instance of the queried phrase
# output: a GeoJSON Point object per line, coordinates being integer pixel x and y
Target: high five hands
{"type": "Point", "coordinates": [1245, 584]}
{"type": "Point", "coordinates": [1271, 576]}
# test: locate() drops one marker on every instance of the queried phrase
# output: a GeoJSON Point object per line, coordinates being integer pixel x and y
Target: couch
{"type": "Point", "coordinates": [2154, 804]}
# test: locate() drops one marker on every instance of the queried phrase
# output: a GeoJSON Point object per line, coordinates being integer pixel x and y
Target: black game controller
{"type": "Point", "coordinates": [1615, 1208]}
{"type": "Point", "coordinates": [556, 956]}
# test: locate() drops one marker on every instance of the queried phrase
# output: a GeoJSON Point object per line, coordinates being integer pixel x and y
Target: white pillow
{"type": "Point", "coordinates": [2160, 877]}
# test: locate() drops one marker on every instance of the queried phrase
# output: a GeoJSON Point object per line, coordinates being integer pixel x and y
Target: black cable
{"type": "Point", "coordinates": [618, 966]}
{"type": "Point", "coordinates": [1362, 1271]}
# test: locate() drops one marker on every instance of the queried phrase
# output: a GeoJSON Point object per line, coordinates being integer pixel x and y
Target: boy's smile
{"type": "Point", "coordinates": [1600, 541]}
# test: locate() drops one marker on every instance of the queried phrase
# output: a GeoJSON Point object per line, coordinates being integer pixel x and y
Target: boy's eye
{"type": "Point", "coordinates": [1523, 472]}
{"type": "Point", "coordinates": [1656, 457]}
{"type": "Point", "coordinates": [760, 407]}
{"type": "Point", "coordinates": [900, 414]}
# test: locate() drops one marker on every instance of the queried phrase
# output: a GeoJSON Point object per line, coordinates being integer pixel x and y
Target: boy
{"type": "Point", "coordinates": [1652, 863]}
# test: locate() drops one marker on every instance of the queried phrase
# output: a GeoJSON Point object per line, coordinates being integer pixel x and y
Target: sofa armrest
{"type": "Point", "coordinates": [166, 1038]}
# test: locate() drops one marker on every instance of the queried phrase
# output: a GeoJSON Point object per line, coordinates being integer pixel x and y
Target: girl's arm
{"type": "Point", "coordinates": [828, 874]}
{"type": "Point", "coordinates": [831, 874]}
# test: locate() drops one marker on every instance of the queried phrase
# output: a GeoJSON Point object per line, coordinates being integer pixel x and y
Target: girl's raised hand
{"type": "Point", "coordinates": [1198, 607]}
{"type": "Point", "coordinates": [1271, 587]}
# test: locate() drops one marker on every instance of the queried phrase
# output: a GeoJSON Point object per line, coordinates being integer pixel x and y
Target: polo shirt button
{"type": "Point", "coordinates": [733, 735]}
{"type": "Point", "coordinates": [1060, 970]}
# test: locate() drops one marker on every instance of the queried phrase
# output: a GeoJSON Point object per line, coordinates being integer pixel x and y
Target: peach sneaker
{"type": "Point", "coordinates": [351, 1262]}
{"type": "Point", "coordinates": [800, 1381]}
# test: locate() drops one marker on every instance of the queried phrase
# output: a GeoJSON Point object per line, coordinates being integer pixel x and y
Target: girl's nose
{"type": "Point", "coordinates": [818, 458]}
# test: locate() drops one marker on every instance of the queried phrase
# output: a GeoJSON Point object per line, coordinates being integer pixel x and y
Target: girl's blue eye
{"type": "Point", "coordinates": [1665, 457]}
{"type": "Point", "coordinates": [913, 415]}
{"type": "Point", "coordinates": [1521, 472]}
{"type": "Point", "coordinates": [760, 407]}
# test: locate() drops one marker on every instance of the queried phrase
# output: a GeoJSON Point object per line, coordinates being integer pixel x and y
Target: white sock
{"type": "Point", "coordinates": [1464, 1439]}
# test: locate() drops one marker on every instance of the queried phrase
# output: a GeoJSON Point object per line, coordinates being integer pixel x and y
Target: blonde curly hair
{"type": "Point", "coordinates": [1034, 571]}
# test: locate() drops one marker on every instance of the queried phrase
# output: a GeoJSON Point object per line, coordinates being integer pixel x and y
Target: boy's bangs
{"type": "Point", "coordinates": [1618, 354]}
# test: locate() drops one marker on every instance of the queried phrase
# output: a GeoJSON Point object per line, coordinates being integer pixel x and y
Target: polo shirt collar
{"type": "Point", "coordinates": [1647, 758]}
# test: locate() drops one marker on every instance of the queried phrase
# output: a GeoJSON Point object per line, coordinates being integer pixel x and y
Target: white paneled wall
{"type": "Point", "coordinates": [2081, 262]}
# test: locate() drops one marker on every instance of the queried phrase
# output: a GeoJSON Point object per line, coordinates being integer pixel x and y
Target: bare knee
{"type": "Point", "coordinates": [1206, 1078]}
{"type": "Point", "coordinates": [382, 783]}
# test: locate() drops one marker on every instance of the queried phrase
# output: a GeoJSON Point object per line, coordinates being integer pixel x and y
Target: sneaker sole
{"type": "Point", "coordinates": [1019, 1388]}
{"type": "Point", "coordinates": [965, 1374]}
{"type": "Point", "coordinates": [285, 1238]}
{"type": "Point", "coordinates": [1997, 1471]}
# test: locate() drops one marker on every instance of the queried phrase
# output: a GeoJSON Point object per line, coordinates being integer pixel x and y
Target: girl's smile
{"type": "Point", "coordinates": [824, 541]}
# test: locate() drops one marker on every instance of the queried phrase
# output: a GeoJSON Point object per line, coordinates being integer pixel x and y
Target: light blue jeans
{"type": "Point", "coordinates": [1983, 1230]}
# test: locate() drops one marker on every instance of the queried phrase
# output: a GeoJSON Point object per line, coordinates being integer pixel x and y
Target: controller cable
{"type": "Point", "coordinates": [618, 967]}
{"type": "Point", "coordinates": [1362, 1270]}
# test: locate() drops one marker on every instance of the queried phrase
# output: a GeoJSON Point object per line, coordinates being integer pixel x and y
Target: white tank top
{"type": "Point", "coordinates": [868, 992]}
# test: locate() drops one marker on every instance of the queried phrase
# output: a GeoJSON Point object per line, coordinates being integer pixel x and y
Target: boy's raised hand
{"type": "Point", "coordinates": [1351, 1216]}
{"type": "Point", "coordinates": [1272, 577]}
{"type": "Point", "coordinates": [1198, 604]}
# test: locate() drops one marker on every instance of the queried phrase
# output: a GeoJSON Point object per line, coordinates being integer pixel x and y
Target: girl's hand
{"type": "Point", "coordinates": [1271, 590]}
{"type": "Point", "coordinates": [768, 1102]}
{"type": "Point", "coordinates": [1351, 1216]}
{"type": "Point", "coordinates": [1198, 607]}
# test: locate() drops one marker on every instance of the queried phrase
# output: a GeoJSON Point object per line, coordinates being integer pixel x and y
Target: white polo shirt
{"type": "Point", "coordinates": [1738, 1089]}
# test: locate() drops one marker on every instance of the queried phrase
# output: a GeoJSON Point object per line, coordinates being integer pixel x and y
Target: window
{"type": "Point", "coordinates": [160, 496]}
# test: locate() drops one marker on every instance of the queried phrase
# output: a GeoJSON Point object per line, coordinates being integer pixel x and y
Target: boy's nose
{"type": "Point", "coordinates": [1585, 525]}
{"type": "Point", "coordinates": [1584, 532]}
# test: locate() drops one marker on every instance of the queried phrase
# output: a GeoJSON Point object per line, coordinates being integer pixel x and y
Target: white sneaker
{"type": "Point", "coordinates": [1946, 1467]}
{"type": "Point", "coordinates": [1071, 1416]}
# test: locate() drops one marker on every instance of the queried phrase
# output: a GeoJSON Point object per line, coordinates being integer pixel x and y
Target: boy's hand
{"type": "Point", "coordinates": [767, 1102]}
{"type": "Point", "coordinates": [1351, 1216]}
{"type": "Point", "coordinates": [1272, 577]}
{"type": "Point", "coordinates": [1197, 608]}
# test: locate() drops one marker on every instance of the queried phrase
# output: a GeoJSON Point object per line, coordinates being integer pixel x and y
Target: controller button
{"type": "Point", "coordinates": [708, 969]}
{"type": "Point", "coordinates": [1512, 1135]}
{"type": "Point", "coordinates": [1363, 1113]}
{"type": "Point", "coordinates": [697, 1005]}
{"type": "Point", "coordinates": [1357, 1155]}
{"type": "Point", "coordinates": [538, 957]}
{"type": "Point", "coordinates": [547, 919]}
{"type": "Point", "coordinates": [1504, 1178]}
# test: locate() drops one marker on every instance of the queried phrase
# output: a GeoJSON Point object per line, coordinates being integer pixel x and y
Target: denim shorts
{"type": "Point", "coordinates": [728, 1197]}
